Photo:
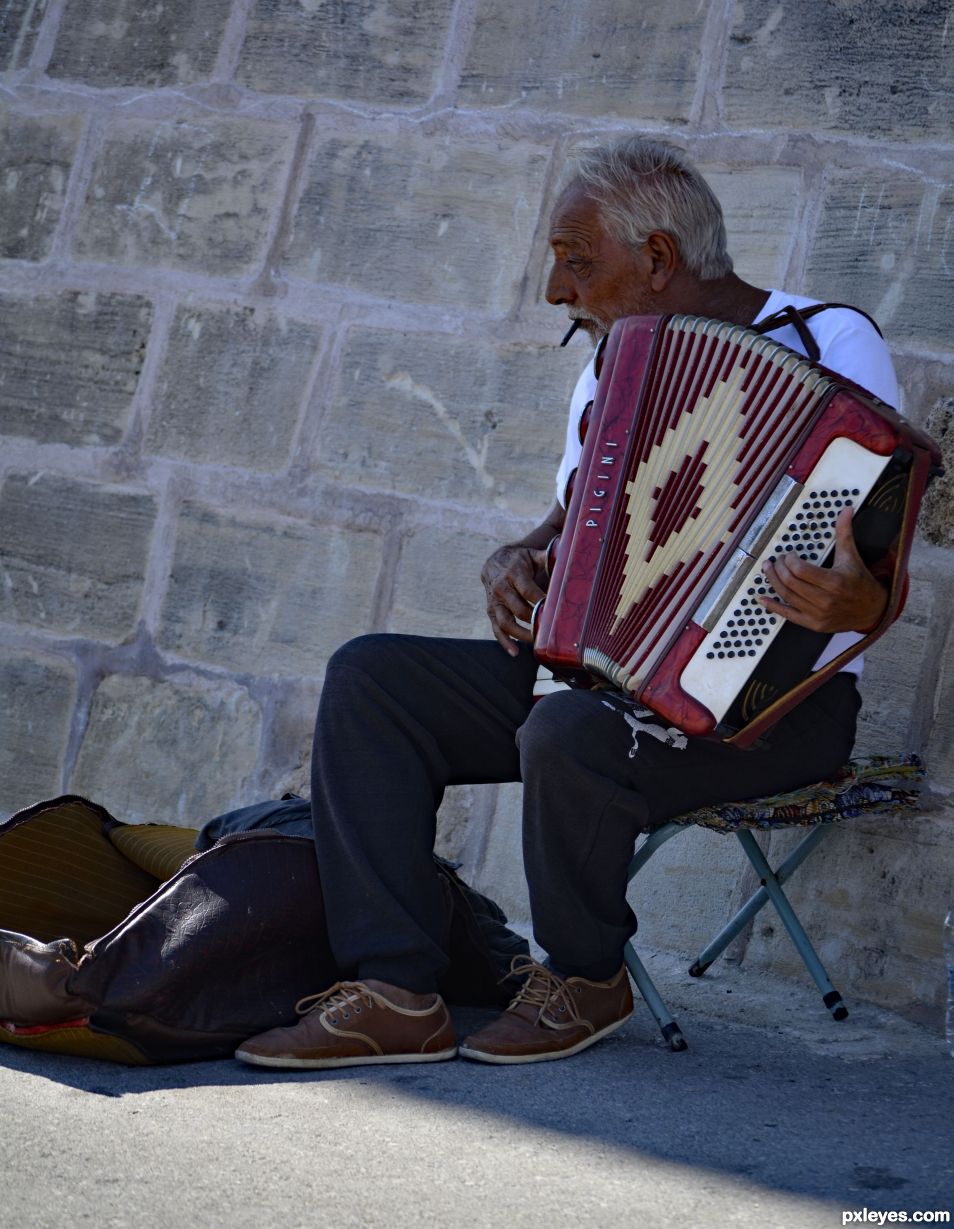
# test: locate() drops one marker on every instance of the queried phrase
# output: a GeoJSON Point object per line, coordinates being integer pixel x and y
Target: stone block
{"type": "Point", "coordinates": [426, 219]}
{"type": "Point", "coordinates": [231, 386]}
{"type": "Point", "coordinates": [197, 194]}
{"type": "Point", "coordinates": [876, 71]}
{"type": "Point", "coordinates": [70, 364]}
{"type": "Point", "coordinates": [762, 207]}
{"type": "Point", "coordinates": [38, 697]}
{"type": "Point", "coordinates": [266, 596]}
{"type": "Point", "coordinates": [882, 244]}
{"type": "Point", "coordinates": [72, 555]}
{"type": "Point", "coordinates": [937, 511]}
{"type": "Point", "coordinates": [385, 51]}
{"type": "Point", "coordinates": [499, 872]}
{"type": "Point", "coordinates": [286, 750]}
{"type": "Point", "coordinates": [463, 823]}
{"type": "Point", "coordinates": [19, 24]}
{"type": "Point", "coordinates": [896, 678]}
{"type": "Point", "coordinates": [450, 419]}
{"type": "Point", "coordinates": [36, 153]}
{"type": "Point", "coordinates": [126, 42]}
{"type": "Point", "coordinates": [438, 590]}
{"type": "Point", "coordinates": [614, 59]}
{"type": "Point", "coordinates": [168, 752]}
{"type": "Point", "coordinates": [873, 901]}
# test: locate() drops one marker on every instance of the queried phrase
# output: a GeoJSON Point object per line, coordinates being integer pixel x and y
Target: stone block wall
{"type": "Point", "coordinates": [275, 370]}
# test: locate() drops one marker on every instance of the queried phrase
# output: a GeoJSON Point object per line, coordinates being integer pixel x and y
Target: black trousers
{"type": "Point", "coordinates": [403, 717]}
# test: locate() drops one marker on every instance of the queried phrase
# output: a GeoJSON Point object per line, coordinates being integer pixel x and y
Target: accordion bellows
{"type": "Point", "coordinates": [711, 449]}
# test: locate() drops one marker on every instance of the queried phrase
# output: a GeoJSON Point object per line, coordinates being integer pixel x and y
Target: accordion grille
{"type": "Point", "coordinates": [721, 412]}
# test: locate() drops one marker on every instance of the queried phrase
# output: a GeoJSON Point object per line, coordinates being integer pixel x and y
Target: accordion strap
{"type": "Point", "coordinates": [796, 317]}
{"type": "Point", "coordinates": [920, 470]}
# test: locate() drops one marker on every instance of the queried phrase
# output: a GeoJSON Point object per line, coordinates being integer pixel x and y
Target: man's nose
{"type": "Point", "coordinates": [559, 290]}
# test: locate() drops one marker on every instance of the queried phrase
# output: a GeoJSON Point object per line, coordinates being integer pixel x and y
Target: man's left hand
{"type": "Point", "coordinates": [842, 598]}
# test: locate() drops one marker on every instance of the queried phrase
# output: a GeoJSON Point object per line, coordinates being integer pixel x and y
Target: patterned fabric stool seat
{"type": "Point", "coordinates": [877, 785]}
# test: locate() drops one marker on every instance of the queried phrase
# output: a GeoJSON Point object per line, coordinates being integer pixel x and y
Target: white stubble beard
{"type": "Point", "coordinates": [594, 328]}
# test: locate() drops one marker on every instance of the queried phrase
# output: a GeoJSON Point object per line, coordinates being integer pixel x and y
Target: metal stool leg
{"type": "Point", "coordinates": [830, 996]}
{"type": "Point", "coordinates": [755, 903]}
{"type": "Point", "coordinates": [644, 983]}
{"type": "Point", "coordinates": [652, 842]}
{"type": "Point", "coordinates": [646, 987]}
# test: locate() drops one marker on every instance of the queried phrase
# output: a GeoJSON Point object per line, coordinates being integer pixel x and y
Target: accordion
{"type": "Point", "coordinates": [711, 449]}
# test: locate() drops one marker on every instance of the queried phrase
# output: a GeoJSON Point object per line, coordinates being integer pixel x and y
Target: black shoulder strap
{"type": "Point", "coordinates": [796, 317]}
{"type": "Point", "coordinates": [598, 356]}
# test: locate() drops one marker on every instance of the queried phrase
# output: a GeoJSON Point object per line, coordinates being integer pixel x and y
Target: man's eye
{"type": "Point", "coordinates": [578, 264]}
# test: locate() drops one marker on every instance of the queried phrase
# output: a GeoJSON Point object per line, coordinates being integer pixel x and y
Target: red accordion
{"type": "Point", "coordinates": [711, 449]}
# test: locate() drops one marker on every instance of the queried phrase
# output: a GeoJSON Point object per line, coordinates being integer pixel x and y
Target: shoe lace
{"type": "Point", "coordinates": [542, 989]}
{"type": "Point", "coordinates": [343, 997]}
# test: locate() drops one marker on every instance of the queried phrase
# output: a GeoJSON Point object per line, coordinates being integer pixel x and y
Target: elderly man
{"type": "Point", "coordinates": [637, 230]}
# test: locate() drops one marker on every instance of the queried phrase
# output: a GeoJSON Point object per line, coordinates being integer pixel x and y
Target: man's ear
{"type": "Point", "coordinates": [663, 252]}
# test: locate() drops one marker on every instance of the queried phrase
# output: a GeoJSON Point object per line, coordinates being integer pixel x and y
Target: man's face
{"type": "Point", "coordinates": [593, 275]}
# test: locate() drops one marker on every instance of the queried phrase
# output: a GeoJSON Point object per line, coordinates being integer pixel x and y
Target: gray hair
{"type": "Point", "coordinates": [644, 185]}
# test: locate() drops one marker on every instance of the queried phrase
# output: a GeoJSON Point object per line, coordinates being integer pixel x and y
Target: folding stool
{"type": "Point", "coordinates": [877, 785]}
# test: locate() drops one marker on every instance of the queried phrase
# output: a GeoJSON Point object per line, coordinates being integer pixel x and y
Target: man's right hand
{"type": "Point", "coordinates": [512, 577]}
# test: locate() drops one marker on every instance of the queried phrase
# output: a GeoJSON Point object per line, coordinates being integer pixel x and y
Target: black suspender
{"type": "Point", "coordinates": [796, 317]}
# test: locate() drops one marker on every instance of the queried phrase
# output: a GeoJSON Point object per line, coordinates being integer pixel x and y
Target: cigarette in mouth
{"type": "Point", "coordinates": [570, 331]}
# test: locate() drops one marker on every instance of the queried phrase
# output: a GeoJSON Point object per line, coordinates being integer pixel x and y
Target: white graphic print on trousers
{"type": "Point", "coordinates": [668, 735]}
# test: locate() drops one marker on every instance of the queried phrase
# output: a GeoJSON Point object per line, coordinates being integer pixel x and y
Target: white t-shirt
{"type": "Point", "coordinates": [848, 344]}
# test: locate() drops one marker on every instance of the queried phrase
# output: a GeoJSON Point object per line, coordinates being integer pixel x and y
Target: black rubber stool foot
{"type": "Point", "coordinates": [833, 1001]}
{"type": "Point", "coordinates": [696, 969]}
{"type": "Point", "coordinates": [675, 1038]}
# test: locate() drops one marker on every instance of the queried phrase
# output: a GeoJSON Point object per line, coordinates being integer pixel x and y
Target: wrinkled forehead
{"type": "Point", "coordinates": [575, 216]}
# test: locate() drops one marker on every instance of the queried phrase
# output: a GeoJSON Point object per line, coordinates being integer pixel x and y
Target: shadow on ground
{"type": "Point", "coordinates": [811, 1112]}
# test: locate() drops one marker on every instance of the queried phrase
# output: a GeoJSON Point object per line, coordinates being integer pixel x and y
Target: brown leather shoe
{"type": "Point", "coordinates": [352, 1025]}
{"type": "Point", "coordinates": [551, 1018]}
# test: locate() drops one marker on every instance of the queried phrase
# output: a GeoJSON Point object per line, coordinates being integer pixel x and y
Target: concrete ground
{"type": "Point", "coordinates": [777, 1117]}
